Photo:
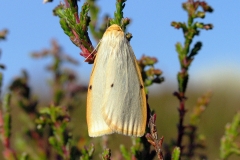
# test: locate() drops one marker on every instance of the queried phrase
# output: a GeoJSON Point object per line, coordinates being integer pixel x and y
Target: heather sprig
{"type": "Point", "coordinates": [229, 142]}
{"type": "Point", "coordinates": [75, 25]}
{"type": "Point", "coordinates": [186, 55]}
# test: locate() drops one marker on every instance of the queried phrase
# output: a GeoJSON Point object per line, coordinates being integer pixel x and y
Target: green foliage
{"type": "Point", "coordinates": [150, 75]}
{"type": "Point", "coordinates": [24, 156]}
{"type": "Point", "coordinates": [7, 116]}
{"type": "Point", "coordinates": [76, 26]}
{"type": "Point", "coordinates": [182, 78]}
{"type": "Point", "coordinates": [199, 108]}
{"type": "Point", "coordinates": [125, 152]}
{"type": "Point", "coordinates": [106, 155]}
{"type": "Point", "coordinates": [190, 30]}
{"type": "Point", "coordinates": [57, 119]}
{"type": "Point", "coordinates": [94, 10]}
{"type": "Point", "coordinates": [176, 153]}
{"type": "Point", "coordinates": [118, 15]}
{"type": "Point", "coordinates": [5, 123]}
{"type": "Point", "coordinates": [229, 142]}
{"type": "Point", "coordinates": [87, 153]}
{"type": "Point", "coordinates": [186, 55]}
{"type": "Point", "coordinates": [48, 126]}
{"type": "Point", "coordinates": [136, 151]}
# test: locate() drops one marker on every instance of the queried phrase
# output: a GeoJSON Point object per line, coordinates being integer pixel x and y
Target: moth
{"type": "Point", "coordinates": [116, 99]}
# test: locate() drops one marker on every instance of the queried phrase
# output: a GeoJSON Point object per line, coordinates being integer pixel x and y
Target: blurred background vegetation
{"type": "Point", "coordinates": [37, 134]}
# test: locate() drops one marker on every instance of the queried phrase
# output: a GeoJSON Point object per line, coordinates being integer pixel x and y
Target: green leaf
{"type": "Point", "coordinates": [106, 155]}
{"type": "Point", "coordinates": [7, 116]}
{"type": "Point", "coordinates": [176, 153]}
{"type": "Point", "coordinates": [125, 153]}
{"type": "Point", "coordinates": [24, 156]}
{"type": "Point", "coordinates": [179, 48]}
{"type": "Point", "coordinates": [118, 15]}
{"type": "Point", "coordinates": [197, 47]}
{"type": "Point", "coordinates": [229, 145]}
{"type": "Point", "coordinates": [182, 81]}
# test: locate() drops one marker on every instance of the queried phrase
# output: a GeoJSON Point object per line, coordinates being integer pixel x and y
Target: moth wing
{"type": "Point", "coordinates": [96, 124]}
{"type": "Point", "coordinates": [124, 103]}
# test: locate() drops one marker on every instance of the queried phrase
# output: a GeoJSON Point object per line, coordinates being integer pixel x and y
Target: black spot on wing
{"type": "Point", "coordinates": [141, 86]}
{"type": "Point", "coordinates": [111, 85]}
{"type": "Point", "coordinates": [90, 87]}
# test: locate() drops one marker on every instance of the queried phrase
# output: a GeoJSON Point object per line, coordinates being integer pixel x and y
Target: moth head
{"type": "Point", "coordinates": [114, 27]}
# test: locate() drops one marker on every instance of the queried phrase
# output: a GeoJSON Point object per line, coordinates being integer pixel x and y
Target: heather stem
{"type": "Point", "coordinates": [5, 124]}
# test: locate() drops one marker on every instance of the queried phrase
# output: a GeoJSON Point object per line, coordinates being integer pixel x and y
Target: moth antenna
{"type": "Point", "coordinates": [94, 50]}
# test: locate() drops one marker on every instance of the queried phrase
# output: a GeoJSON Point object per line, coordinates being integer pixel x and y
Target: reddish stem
{"type": "Point", "coordinates": [181, 127]}
{"type": "Point", "coordinates": [8, 152]}
{"type": "Point", "coordinates": [65, 152]}
{"type": "Point", "coordinates": [66, 3]}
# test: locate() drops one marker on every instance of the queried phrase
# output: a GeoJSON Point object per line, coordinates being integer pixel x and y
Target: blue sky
{"type": "Point", "coordinates": [31, 27]}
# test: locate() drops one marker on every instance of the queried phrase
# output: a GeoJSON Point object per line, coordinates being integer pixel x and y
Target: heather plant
{"type": "Point", "coordinates": [50, 133]}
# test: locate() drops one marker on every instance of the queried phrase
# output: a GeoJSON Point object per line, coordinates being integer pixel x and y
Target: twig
{"type": "Point", "coordinates": [152, 137]}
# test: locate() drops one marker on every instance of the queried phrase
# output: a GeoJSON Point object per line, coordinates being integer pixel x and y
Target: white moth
{"type": "Point", "coordinates": [116, 100]}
